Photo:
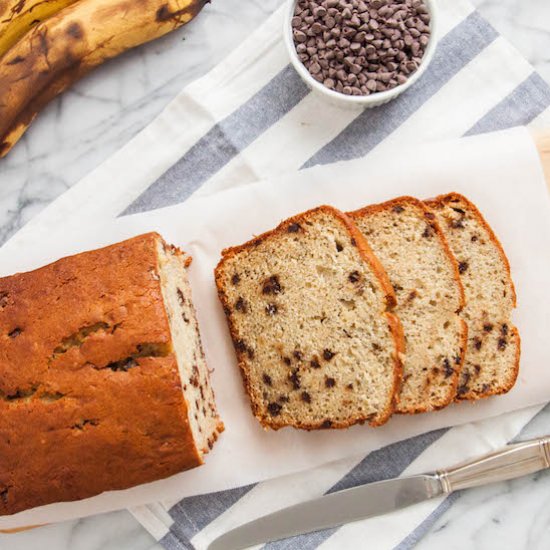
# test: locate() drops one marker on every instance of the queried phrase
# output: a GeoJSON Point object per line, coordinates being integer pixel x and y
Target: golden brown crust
{"type": "Point", "coordinates": [90, 392]}
{"type": "Point", "coordinates": [412, 201]}
{"type": "Point", "coordinates": [441, 201]}
{"type": "Point", "coordinates": [393, 322]}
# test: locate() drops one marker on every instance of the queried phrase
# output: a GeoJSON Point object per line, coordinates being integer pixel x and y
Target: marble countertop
{"type": "Point", "coordinates": [102, 112]}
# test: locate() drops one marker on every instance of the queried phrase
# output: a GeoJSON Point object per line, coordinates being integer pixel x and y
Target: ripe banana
{"type": "Point", "coordinates": [61, 49]}
{"type": "Point", "coordinates": [17, 17]}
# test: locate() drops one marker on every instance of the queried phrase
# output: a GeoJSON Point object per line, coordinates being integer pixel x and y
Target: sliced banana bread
{"type": "Point", "coordinates": [406, 238]}
{"type": "Point", "coordinates": [492, 357]}
{"type": "Point", "coordinates": [308, 307]}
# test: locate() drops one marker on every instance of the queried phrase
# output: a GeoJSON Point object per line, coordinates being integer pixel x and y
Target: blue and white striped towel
{"type": "Point", "coordinates": [251, 118]}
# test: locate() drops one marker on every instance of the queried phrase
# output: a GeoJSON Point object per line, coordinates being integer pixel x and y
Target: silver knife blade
{"type": "Point", "coordinates": [332, 510]}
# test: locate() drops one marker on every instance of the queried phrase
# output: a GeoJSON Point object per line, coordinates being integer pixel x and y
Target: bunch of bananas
{"type": "Point", "coordinates": [46, 45]}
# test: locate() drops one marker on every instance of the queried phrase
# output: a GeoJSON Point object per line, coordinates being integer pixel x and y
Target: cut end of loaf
{"type": "Point", "coordinates": [407, 239]}
{"type": "Point", "coordinates": [307, 305]}
{"type": "Point", "coordinates": [203, 417]}
{"type": "Point", "coordinates": [493, 350]}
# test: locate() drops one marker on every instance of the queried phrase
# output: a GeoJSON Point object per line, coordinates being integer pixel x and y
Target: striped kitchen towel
{"type": "Point", "coordinates": [251, 118]}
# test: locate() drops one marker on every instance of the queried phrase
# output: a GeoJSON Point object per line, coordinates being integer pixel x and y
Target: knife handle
{"type": "Point", "coordinates": [509, 463]}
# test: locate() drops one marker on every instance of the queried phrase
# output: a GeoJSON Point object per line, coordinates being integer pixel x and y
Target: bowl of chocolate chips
{"type": "Point", "coordinates": [360, 53]}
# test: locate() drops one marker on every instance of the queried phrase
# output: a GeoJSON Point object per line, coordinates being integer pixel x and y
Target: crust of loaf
{"type": "Point", "coordinates": [73, 423]}
{"type": "Point", "coordinates": [408, 200]}
{"type": "Point", "coordinates": [442, 200]}
{"type": "Point", "coordinates": [393, 321]}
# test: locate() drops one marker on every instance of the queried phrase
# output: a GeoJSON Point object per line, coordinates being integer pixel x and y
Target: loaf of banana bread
{"type": "Point", "coordinates": [103, 380]}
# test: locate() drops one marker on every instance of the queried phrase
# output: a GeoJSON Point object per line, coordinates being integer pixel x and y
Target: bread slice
{"type": "Point", "coordinates": [492, 357]}
{"type": "Point", "coordinates": [308, 307]}
{"type": "Point", "coordinates": [408, 241]}
{"type": "Point", "coordinates": [103, 381]}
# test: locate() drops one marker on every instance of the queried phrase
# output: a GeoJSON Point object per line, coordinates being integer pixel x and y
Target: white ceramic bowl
{"type": "Point", "coordinates": [358, 102]}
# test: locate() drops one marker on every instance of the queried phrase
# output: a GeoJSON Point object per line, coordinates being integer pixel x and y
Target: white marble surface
{"type": "Point", "coordinates": [102, 112]}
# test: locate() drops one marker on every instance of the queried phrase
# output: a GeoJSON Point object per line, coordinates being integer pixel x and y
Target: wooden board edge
{"type": "Point", "coordinates": [542, 141]}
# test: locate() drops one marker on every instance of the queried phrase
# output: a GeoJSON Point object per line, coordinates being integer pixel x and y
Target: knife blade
{"type": "Point", "coordinates": [381, 497]}
{"type": "Point", "coordinates": [332, 510]}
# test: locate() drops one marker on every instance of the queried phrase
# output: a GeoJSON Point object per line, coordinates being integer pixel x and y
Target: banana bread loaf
{"type": "Point", "coordinates": [492, 357]}
{"type": "Point", "coordinates": [103, 381]}
{"type": "Point", "coordinates": [407, 239]}
{"type": "Point", "coordinates": [308, 306]}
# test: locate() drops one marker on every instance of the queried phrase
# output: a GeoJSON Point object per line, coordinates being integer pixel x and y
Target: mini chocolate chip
{"type": "Point", "coordinates": [428, 232]}
{"type": "Point", "coordinates": [306, 398]}
{"type": "Point", "coordinates": [339, 247]}
{"type": "Point", "coordinates": [241, 346]}
{"type": "Point", "coordinates": [485, 388]}
{"type": "Point", "coordinates": [294, 228]}
{"type": "Point", "coordinates": [459, 210]}
{"type": "Point", "coordinates": [326, 424]}
{"type": "Point", "coordinates": [474, 238]}
{"type": "Point", "coordinates": [330, 382]}
{"type": "Point", "coordinates": [267, 379]}
{"type": "Point", "coordinates": [287, 360]}
{"type": "Point", "coordinates": [284, 399]}
{"type": "Point", "coordinates": [3, 299]}
{"type": "Point", "coordinates": [504, 330]}
{"type": "Point", "coordinates": [349, 386]}
{"type": "Point", "coordinates": [272, 285]}
{"type": "Point", "coordinates": [353, 242]}
{"type": "Point", "coordinates": [413, 294]}
{"type": "Point", "coordinates": [429, 215]}
{"type": "Point", "coordinates": [398, 209]}
{"type": "Point", "coordinates": [502, 343]}
{"type": "Point", "coordinates": [462, 267]}
{"type": "Point", "coordinates": [271, 309]}
{"type": "Point", "coordinates": [477, 368]}
{"type": "Point", "coordinates": [315, 364]}
{"type": "Point", "coordinates": [181, 298]}
{"type": "Point", "coordinates": [15, 332]}
{"type": "Point", "coordinates": [376, 347]}
{"type": "Point", "coordinates": [240, 305]}
{"type": "Point", "coordinates": [448, 369]}
{"type": "Point", "coordinates": [227, 310]}
{"type": "Point", "coordinates": [274, 409]}
{"type": "Point", "coordinates": [456, 224]}
{"type": "Point", "coordinates": [487, 327]}
{"type": "Point", "coordinates": [458, 359]}
{"type": "Point", "coordinates": [478, 343]}
{"type": "Point", "coordinates": [328, 355]}
{"type": "Point", "coordinates": [250, 353]}
{"type": "Point", "coordinates": [236, 279]}
{"type": "Point", "coordinates": [294, 379]}
{"type": "Point", "coordinates": [354, 277]}
{"type": "Point", "coordinates": [298, 354]}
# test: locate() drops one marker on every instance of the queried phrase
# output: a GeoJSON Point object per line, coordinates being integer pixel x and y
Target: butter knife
{"type": "Point", "coordinates": [379, 498]}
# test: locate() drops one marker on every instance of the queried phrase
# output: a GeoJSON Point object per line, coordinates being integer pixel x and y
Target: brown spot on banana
{"type": "Point", "coordinates": [15, 60]}
{"type": "Point", "coordinates": [60, 50]}
{"type": "Point", "coordinates": [75, 31]}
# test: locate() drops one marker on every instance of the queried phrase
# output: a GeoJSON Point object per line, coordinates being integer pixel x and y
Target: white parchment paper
{"type": "Point", "coordinates": [500, 172]}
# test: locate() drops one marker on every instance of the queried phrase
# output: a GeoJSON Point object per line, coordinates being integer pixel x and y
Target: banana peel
{"type": "Point", "coordinates": [60, 50]}
{"type": "Point", "coordinates": [17, 17]}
